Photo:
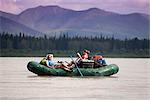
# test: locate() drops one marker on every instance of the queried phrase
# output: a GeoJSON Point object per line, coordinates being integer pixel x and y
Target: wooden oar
{"type": "Point", "coordinates": [76, 66]}
{"type": "Point", "coordinates": [79, 55]}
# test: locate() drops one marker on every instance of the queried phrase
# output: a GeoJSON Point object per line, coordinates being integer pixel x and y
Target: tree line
{"type": "Point", "coordinates": [65, 43]}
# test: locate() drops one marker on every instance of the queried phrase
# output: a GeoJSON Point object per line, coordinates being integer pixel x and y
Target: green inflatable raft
{"type": "Point", "coordinates": [39, 69]}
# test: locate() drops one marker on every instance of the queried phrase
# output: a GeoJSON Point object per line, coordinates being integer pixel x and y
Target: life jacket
{"type": "Point", "coordinates": [43, 61]}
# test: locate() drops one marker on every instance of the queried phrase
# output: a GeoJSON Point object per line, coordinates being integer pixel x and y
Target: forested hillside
{"type": "Point", "coordinates": [21, 45]}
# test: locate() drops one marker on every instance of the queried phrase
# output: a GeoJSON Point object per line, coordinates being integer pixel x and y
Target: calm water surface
{"type": "Point", "coordinates": [131, 83]}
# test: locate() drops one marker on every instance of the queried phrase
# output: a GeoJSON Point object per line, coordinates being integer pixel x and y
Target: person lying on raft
{"type": "Point", "coordinates": [48, 61]}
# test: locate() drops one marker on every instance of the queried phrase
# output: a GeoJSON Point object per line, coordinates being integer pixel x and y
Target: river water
{"type": "Point", "coordinates": [132, 82]}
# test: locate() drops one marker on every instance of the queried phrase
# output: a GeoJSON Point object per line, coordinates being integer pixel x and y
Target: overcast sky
{"type": "Point", "coordinates": [119, 6]}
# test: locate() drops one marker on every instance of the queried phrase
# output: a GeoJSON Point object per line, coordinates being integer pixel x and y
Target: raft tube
{"type": "Point", "coordinates": [39, 69]}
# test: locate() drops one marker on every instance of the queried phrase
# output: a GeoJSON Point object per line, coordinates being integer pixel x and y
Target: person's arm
{"type": "Point", "coordinates": [47, 63]}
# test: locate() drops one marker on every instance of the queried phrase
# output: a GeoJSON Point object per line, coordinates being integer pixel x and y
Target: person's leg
{"type": "Point", "coordinates": [63, 67]}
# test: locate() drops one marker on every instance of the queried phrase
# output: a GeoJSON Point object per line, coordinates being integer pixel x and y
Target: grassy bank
{"type": "Point", "coordinates": [41, 53]}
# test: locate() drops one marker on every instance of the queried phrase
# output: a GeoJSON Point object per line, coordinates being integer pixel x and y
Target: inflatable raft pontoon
{"type": "Point", "coordinates": [39, 69]}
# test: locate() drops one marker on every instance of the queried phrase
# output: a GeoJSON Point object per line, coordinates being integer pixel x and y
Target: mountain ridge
{"type": "Point", "coordinates": [93, 21]}
{"type": "Point", "coordinates": [17, 27]}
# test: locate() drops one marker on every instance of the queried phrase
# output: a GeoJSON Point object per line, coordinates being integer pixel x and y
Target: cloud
{"type": "Point", "coordinates": [10, 6]}
{"type": "Point", "coordinates": [119, 6]}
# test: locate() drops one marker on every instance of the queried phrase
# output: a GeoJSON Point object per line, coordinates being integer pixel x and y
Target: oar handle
{"type": "Point", "coordinates": [76, 66]}
{"type": "Point", "coordinates": [79, 55]}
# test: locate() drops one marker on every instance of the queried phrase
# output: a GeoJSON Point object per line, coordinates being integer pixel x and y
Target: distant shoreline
{"type": "Point", "coordinates": [27, 46]}
{"type": "Point", "coordinates": [19, 53]}
{"type": "Point", "coordinates": [68, 56]}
